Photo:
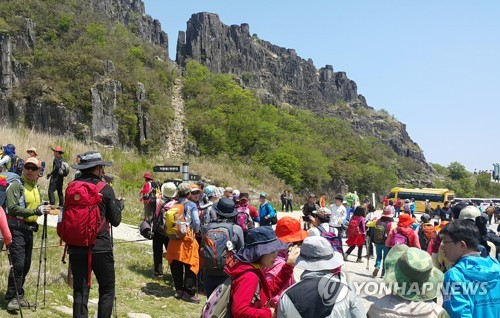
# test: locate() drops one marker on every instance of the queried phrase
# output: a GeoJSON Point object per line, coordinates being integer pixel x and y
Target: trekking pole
{"type": "Point", "coordinates": [14, 279]}
{"type": "Point", "coordinates": [45, 260]}
{"type": "Point", "coordinates": [368, 244]}
{"type": "Point", "coordinates": [44, 229]}
{"type": "Point", "coordinates": [112, 248]}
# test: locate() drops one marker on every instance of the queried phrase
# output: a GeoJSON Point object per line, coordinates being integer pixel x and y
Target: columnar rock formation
{"type": "Point", "coordinates": [282, 78]}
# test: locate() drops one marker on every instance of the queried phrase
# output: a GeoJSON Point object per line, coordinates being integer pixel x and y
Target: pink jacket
{"type": "Point", "coordinates": [4, 228]}
{"type": "Point", "coordinates": [273, 271]}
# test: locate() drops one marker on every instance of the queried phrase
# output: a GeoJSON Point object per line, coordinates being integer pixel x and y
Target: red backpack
{"type": "Point", "coordinates": [81, 217]}
{"type": "Point", "coordinates": [353, 227]}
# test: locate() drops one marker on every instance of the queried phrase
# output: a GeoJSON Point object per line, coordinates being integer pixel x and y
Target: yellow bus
{"type": "Point", "coordinates": [435, 196]}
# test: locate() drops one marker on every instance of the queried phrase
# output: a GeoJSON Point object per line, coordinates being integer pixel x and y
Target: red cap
{"type": "Point", "coordinates": [58, 149]}
{"type": "Point", "coordinates": [148, 176]}
{"type": "Point", "coordinates": [405, 220]}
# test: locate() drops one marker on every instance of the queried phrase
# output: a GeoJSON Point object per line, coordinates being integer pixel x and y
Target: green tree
{"type": "Point", "coordinates": [457, 171]}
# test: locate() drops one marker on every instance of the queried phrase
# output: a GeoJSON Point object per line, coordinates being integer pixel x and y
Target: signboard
{"type": "Point", "coordinates": [167, 169]}
{"type": "Point", "coordinates": [194, 177]}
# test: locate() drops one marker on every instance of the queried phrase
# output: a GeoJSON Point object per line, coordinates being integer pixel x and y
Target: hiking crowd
{"type": "Point", "coordinates": [250, 264]}
{"type": "Point", "coordinates": [86, 213]}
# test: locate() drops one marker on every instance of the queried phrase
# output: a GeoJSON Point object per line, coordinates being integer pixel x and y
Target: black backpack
{"type": "Point", "coordinates": [16, 164]}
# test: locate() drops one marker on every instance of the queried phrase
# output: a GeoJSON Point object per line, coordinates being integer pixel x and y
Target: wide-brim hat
{"type": "Point", "coordinates": [411, 273]}
{"type": "Point", "coordinates": [58, 149]}
{"type": "Point", "coordinates": [258, 242]}
{"type": "Point", "coordinates": [387, 213]}
{"type": "Point", "coordinates": [169, 190]}
{"type": "Point", "coordinates": [316, 254]}
{"type": "Point", "coordinates": [405, 220]}
{"type": "Point", "coordinates": [90, 159]}
{"type": "Point", "coordinates": [288, 230]}
{"type": "Point", "coordinates": [32, 149]}
{"type": "Point", "coordinates": [225, 208]}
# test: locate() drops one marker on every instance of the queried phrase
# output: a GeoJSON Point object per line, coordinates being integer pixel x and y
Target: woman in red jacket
{"type": "Point", "coordinates": [250, 291]}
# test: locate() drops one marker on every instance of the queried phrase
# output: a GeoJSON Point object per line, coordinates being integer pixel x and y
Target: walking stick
{"type": "Point", "coordinates": [43, 248]}
{"type": "Point", "coordinates": [45, 260]}
{"type": "Point", "coordinates": [368, 243]}
{"type": "Point", "coordinates": [14, 278]}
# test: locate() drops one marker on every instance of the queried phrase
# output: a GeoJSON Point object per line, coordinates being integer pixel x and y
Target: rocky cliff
{"type": "Point", "coordinates": [43, 110]}
{"type": "Point", "coordinates": [280, 77]}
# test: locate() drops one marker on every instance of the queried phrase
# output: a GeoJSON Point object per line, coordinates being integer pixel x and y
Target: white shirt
{"type": "Point", "coordinates": [338, 214]}
{"type": "Point", "coordinates": [315, 232]}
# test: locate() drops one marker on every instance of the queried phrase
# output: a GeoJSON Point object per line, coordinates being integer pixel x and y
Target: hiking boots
{"type": "Point", "coordinates": [178, 294]}
{"type": "Point", "coordinates": [191, 299]}
{"type": "Point", "coordinates": [345, 257]}
{"type": "Point", "coordinates": [359, 260]}
{"type": "Point", "coordinates": [375, 272]}
{"type": "Point", "coordinates": [13, 304]}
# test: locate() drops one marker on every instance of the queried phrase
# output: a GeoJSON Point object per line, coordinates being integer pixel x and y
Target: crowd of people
{"type": "Point", "coordinates": [252, 265]}
{"type": "Point", "coordinates": [247, 261]}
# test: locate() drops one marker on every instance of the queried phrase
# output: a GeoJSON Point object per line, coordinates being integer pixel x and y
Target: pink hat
{"type": "Point", "coordinates": [388, 212]}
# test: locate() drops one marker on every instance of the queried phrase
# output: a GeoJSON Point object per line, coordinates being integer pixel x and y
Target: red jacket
{"type": "Point", "coordinates": [246, 278]}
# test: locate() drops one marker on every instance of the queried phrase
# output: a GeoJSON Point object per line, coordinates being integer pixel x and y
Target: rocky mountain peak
{"type": "Point", "coordinates": [282, 78]}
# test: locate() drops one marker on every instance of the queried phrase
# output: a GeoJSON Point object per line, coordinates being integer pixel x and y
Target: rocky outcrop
{"type": "Point", "coordinates": [132, 14]}
{"type": "Point", "coordinates": [280, 77]}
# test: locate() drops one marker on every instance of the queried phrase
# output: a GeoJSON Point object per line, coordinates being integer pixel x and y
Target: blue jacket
{"type": "Point", "coordinates": [265, 209]}
{"type": "Point", "coordinates": [479, 274]}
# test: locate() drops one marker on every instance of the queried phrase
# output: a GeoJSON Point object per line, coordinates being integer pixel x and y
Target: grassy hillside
{"type": "Point", "coordinates": [72, 43]}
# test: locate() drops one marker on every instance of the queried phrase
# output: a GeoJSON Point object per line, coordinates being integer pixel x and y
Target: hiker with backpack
{"type": "Point", "coordinates": [218, 236]}
{"type": "Point", "coordinates": [323, 290]}
{"type": "Point", "coordinates": [320, 227]}
{"type": "Point", "coordinates": [23, 206]}
{"type": "Point", "coordinates": [88, 240]}
{"type": "Point", "coordinates": [247, 213]}
{"type": "Point", "coordinates": [11, 162]}
{"type": "Point", "coordinates": [250, 290]}
{"type": "Point", "coordinates": [182, 224]}
{"type": "Point", "coordinates": [56, 177]}
{"type": "Point", "coordinates": [339, 214]}
{"type": "Point", "coordinates": [379, 235]}
{"type": "Point", "coordinates": [288, 230]}
{"type": "Point", "coordinates": [148, 195]}
{"type": "Point", "coordinates": [267, 214]}
{"type": "Point", "coordinates": [160, 239]}
{"type": "Point", "coordinates": [426, 232]}
{"type": "Point", "coordinates": [403, 233]}
{"type": "Point", "coordinates": [415, 285]}
{"type": "Point", "coordinates": [356, 233]}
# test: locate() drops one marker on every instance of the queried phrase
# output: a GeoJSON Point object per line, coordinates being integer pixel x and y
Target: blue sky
{"type": "Point", "coordinates": [434, 65]}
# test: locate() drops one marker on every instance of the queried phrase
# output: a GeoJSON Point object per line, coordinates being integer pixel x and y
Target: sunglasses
{"type": "Point", "coordinates": [31, 168]}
